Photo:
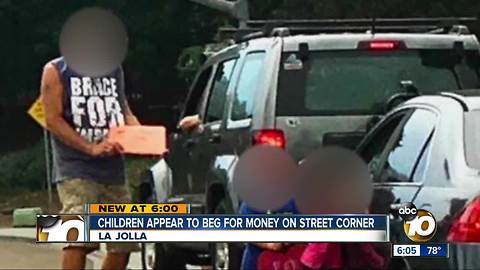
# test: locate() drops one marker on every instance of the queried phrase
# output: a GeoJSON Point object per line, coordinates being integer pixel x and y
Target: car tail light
{"type": "Point", "coordinates": [381, 45]}
{"type": "Point", "coordinates": [466, 228]}
{"type": "Point", "coordinates": [273, 137]}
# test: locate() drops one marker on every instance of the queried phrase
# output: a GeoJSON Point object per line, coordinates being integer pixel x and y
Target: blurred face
{"type": "Point", "coordinates": [93, 42]}
{"type": "Point", "coordinates": [264, 177]}
{"type": "Point", "coordinates": [333, 180]}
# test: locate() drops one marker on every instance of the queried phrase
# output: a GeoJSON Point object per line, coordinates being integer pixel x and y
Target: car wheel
{"type": "Point", "coordinates": [225, 255]}
{"type": "Point", "coordinates": [220, 258]}
{"type": "Point", "coordinates": [148, 256]}
{"type": "Point", "coordinates": [159, 256]}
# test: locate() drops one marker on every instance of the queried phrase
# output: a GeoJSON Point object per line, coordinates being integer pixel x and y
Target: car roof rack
{"type": "Point", "coordinates": [266, 28]}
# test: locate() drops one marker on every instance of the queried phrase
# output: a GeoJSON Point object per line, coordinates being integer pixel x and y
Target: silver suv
{"type": "Point", "coordinates": [299, 91]}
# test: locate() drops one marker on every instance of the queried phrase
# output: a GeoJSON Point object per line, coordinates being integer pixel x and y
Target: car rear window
{"type": "Point", "coordinates": [472, 138]}
{"type": "Point", "coordinates": [360, 81]}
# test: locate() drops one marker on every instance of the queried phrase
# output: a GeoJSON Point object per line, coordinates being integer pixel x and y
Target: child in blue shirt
{"type": "Point", "coordinates": [253, 250]}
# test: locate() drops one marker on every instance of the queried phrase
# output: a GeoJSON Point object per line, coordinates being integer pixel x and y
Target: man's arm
{"type": "Point", "coordinates": [52, 97]}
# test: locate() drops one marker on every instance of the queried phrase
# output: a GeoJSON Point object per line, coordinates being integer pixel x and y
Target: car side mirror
{"type": "Point", "coordinates": [397, 99]}
{"type": "Point", "coordinates": [408, 91]}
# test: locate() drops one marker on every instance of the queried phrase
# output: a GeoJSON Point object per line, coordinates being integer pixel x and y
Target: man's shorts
{"type": "Point", "coordinates": [75, 193]}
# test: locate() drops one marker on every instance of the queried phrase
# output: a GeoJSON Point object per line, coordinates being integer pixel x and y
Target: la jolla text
{"type": "Point", "coordinates": [237, 228]}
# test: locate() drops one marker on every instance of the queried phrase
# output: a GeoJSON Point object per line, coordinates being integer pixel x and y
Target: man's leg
{"type": "Point", "coordinates": [74, 194]}
{"type": "Point", "coordinates": [74, 258]}
{"type": "Point", "coordinates": [116, 260]}
{"type": "Point", "coordinates": [118, 254]}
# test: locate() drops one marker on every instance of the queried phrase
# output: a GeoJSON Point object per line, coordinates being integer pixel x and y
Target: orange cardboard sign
{"type": "Point", "coordinates": [141, 140]}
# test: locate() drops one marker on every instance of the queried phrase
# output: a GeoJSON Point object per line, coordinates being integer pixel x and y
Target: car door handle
{"type": "Point", "coordinates": [215, 138]}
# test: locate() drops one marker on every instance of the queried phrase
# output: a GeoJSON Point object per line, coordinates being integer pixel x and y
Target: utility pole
{"type": "Point", "coordinates": [48, 165]}
{"type": "Point", "coordinates": [237, 9]}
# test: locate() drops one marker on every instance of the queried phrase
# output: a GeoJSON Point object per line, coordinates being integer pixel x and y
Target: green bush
{"type": "Point", "coordinates": [23, 169]}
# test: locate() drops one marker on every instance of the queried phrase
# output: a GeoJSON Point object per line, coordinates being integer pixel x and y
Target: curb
{"type": "Point", "coordinates": [17, 238]}
{"type": "Point", "coordinates": [8, 233]}
{"type": "Point", "coordinates": [30, 241]}
{"type": "Point", "coordinates": [93, 260]}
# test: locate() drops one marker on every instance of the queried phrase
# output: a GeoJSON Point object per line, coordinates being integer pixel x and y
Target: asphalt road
{"type": "Point", "coordinates": [19, 254]}
{"type": "Point", "coordinates": [24, 255]}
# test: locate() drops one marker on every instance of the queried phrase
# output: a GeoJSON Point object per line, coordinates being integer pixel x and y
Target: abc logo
{"type": "Point", "coordinates": [60, 228]}
{"type": "Point", "coordinates": [419, 224]}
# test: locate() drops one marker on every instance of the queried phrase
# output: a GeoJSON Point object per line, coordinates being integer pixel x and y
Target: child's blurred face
{"type": "Point", "coordinates": [334, 181]}
{"type": "Point", "coordinates": [263, 178]}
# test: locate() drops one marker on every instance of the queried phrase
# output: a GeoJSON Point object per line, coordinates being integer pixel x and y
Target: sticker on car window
{"type": "Point", "coordinates": [292, 63]}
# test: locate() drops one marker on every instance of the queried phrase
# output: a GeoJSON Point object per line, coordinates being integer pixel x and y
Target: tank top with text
{"type": "Point", "coordinates": [91, 106]}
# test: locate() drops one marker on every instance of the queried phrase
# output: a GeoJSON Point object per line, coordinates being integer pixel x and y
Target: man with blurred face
{"type": "Point", "coordinates": [80, 110]}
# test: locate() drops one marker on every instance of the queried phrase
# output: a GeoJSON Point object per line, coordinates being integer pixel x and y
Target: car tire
{"type": "Point", "coordinates": [148, 256]}
{"type": "Point", "coordinates": [159, 256]}
{"type": "Point", "coordinates": [225, 255]}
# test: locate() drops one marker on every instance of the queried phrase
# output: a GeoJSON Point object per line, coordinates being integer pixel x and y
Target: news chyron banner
{"type": "Point", "coordinates": [174, 223]}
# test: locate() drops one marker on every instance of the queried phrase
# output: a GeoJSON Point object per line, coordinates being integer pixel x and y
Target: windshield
{"type": "Point", "coordinates": [360, 81]}
{"type": "Point", "coordinates": [472, 138]}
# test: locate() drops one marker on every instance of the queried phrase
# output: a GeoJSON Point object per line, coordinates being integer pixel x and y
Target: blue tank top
{"type": "Point", "coordinates": [91, 106]}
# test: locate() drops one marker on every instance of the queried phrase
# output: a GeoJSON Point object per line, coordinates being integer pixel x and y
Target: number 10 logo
{"type": "Point", "coordinates": [422, 227]}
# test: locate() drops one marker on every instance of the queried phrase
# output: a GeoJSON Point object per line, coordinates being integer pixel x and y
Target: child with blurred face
{"type": "Point", "coordinates": [334, 180]}
{"type": "Point", "coordinates": [253, 251]}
